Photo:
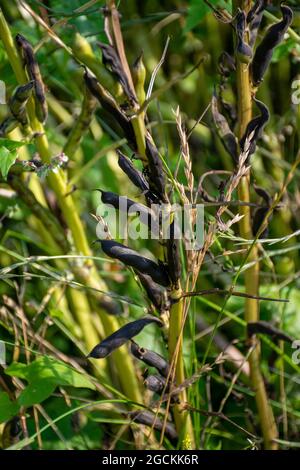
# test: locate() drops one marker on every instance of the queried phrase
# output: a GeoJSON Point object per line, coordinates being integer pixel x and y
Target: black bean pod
{"type": "Point", "coordinates": [151, 358]}
{"type": "Point", "coordinates": [243, 50]}
{"type": "Point", "coordinates": [267, 328]}
{"type": "Point", "coordinates": [109, 104]}
{"type": "Point", "coordinates": [131, 258]}
{"type": "Point", "coordinates": [111, 60]}
{"type": "Point", "coordinates": [121, 336]}
{"type": "Point", "coordinates": [264, 51]}
{"type": "Point", "coordinates": [155, 383]}
{"type": "Point", "coordinates": [258, 219]}
{"type": "Point", "coordinates": [254, 18]}
{"type": "Point", "coordinates": [255, 128]}
{"type": "Point", "coordinates": [153, 290]}
{"type": "Point", "coordinates": [18, 101]}
{"type": "Point", "coordinates": [155, 171]}
{"type": "Point", "coordinates": [225, 133]}
{"type": "Point", "coordinates": [34, 73]}
{"type": "Point", "coordinates": [135, 176]}
{"type": "Point", "coordinates": [150, 419]}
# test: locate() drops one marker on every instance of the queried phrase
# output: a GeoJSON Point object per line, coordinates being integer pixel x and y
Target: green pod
{"type": "Point", "coordinates": [273, 37]}
{"type": "Point", "coordinates": [18, 101]}
{"type": "Point", "coordinates": [139, 77]}
{"type": "Point", "coordinates": [121, 336]}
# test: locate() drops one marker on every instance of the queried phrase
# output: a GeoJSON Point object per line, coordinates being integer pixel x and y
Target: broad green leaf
{"type": "Point", "coordinates": [36, 392]}
{"type": "Point", "coordinates": [17, 369]}
{"type": "Point", "coordinates": [7, 159]}
{"type": "Point", "coordinates": [196, 12]}
{"type": "Point", "coordinates": [11, 145]}
{"type": "Point", "coordinates": [8, 408]}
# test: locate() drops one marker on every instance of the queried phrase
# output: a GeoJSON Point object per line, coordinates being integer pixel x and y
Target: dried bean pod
{"type": "Point", "coordinates": [18, 101]}
{"type": "Point", "coordinates": [151, 358]}
{"type": "Point", "coordinates": [225, 133]}
{"type": "Point", "coordinates": [255, 128]}
{"type": "Point", "coordinates": [34, 73]}
{"type": "Point", "coordinates": [150, 419]}
{"type": "Point", "coordinates": [254, 18]}
{"type": "Point", "coordinates": [243, 50]}
{"type": "Point", "coordinates": [109, 104]}
{"type": "Point", "coordinates": [155, 169]}
{"type": "Point", "coordinates": [273, 37]}
{"type": "Point", "coordinates": [112, 62]}
{"type": "Point", "coordinates": [266, 328]}
{"type": "Point", "coordinates": [263, 194]}
{"type": "Point", "coordinates": [135, 176]}
{"type": "Point", "coordinates": [155, 383]}
{"type": "Point", "coordinates": [153, 290]}
{"type": "Point", "coordinates": [131, 258]}
{"type": "Point", "coordinates": [258, 219]}
{"type": "Point", "coordinates": [121, 336]}
{"type": "Point", "coordinates": [8, 125]}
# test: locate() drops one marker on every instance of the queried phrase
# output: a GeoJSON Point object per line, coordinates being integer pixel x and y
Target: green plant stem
{"type": "Point", "coordinates": [182, 417]}
{"type": "Point", "coordinates": [57, 182]}
{"type": "Point", "coordinates": [267, 421]}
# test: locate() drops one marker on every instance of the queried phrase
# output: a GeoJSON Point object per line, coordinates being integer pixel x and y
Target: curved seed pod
{"type": "Point", "coordinates": [139, 77]}
{"type": "Point", "coordinates": [263, 194]}
{"type": "Point", "coordinates": [156, 174]}
{"type": "Point", "coordinates": [33, 71]}
{"type": "Point", "coordinates": [135, 176]}
{"type": "Point", "coordinates": [121, 336]}
{"type": "Point", "coordinates": [173, 255]}
{"type": "Point", "coordinates": [153, 291]}
{"type": "Point", "coordinates": [131, 258]}
{"type": "Point", "coordinates": [8, 125]}
{"type": "Point", "coordinates": [150, 419]}
{"type": "Point", "coordinates": [18, 101]}
{"type": "Point", "coordinates": [255, 128]}
{"type": "Point", "coordinates": [151, 358]}
{"type": "Point", "coordinates": [124, 204]}
{"type": "Point", "coordinates": [225, 133]}
{"type": "Point", "coordinates": [226, 64]}
{"type": "Point", "coordinates": [258, 219]}
{"type": "Point", "coordinates": [112, 62]}
{"type": "Point", "coordinates": [155, 383]}
{"type": "Point", "coordinates": [109, 104]}
{"type": "Point", "coordinates": [243, 50]}
{"type": "Point", "coordinates": [273, 37]}
{"type": "Point", "coordinates": [266, 328]}
{"type": "Point", "coordinates": [254, 18]}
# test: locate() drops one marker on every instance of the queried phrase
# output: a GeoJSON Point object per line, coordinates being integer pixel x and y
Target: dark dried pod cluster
{"type": "Point", "coordinates": [273, 37]}
{"type": "Point", "coordinates": [243, 49]}
{"type": "Point", "coordinates": [121, 336]}
{"type": "Point", "coordinates": [34, 74]}
{"type": "Point", "coordinates": [131, 258]}
{"type": "Point", "coordinates": [254, 18]}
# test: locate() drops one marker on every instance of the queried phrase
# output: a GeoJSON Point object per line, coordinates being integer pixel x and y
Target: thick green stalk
{"type": "Point", "coordinates": [57, 182]}
{"type": "Point", "coordinates": [267, 421]}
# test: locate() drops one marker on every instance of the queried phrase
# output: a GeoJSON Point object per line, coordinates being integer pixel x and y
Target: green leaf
{"type": "Point", "coordinates": [8, 408]}
{"type": "Point", "coordinates": [44, 375]}
{"type": "Point", "coordinates": [196, 12]}
{"type": "Point", "coordinates": [11, 145]}
{"type": "Point", "coordinates": [7, 159]}
{"type": "Point", "coordinates": [36, 392]}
